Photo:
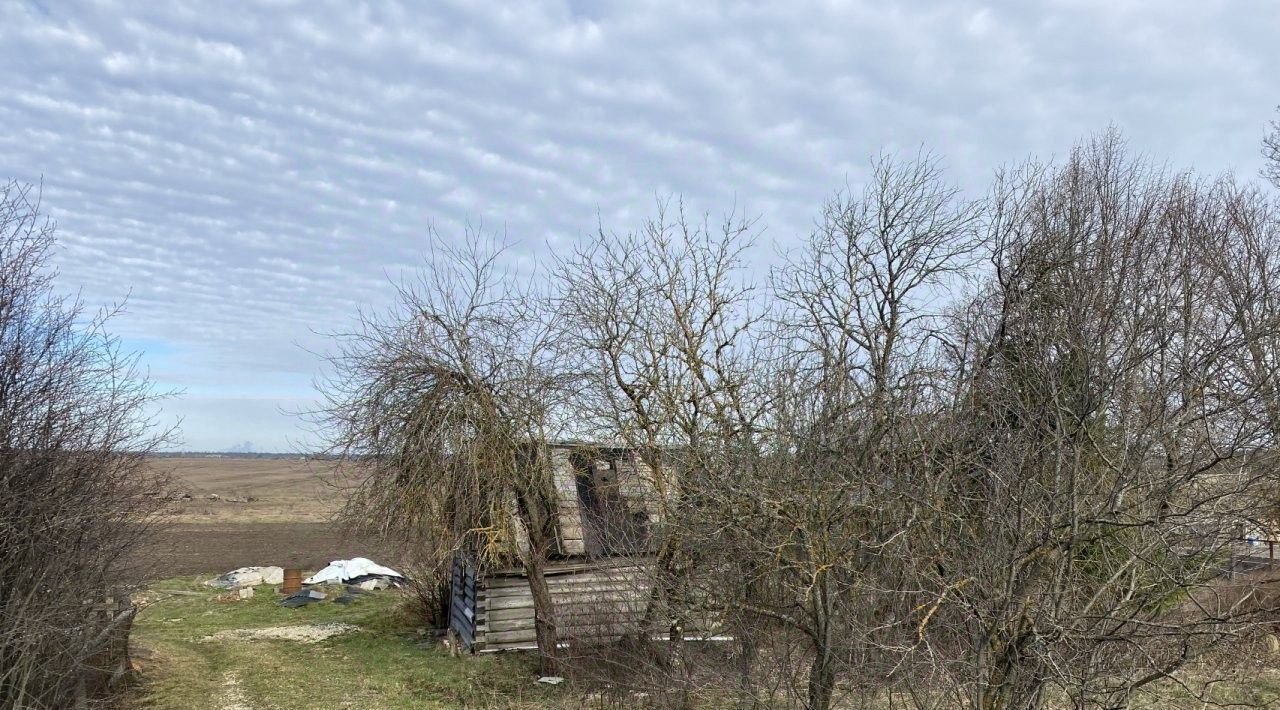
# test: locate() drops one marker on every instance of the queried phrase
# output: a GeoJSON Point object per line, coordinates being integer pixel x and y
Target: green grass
{"type": "Point", "coordinates": [380, 666]}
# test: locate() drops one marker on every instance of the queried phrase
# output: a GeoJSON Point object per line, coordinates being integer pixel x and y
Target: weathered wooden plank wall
{"type": "Point", "coordinates": [568, 512]}
{"type": "Point", "coordinates": [594, 601]}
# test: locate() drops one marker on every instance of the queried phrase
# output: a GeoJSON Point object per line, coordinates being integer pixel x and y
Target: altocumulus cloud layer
{"type": "Point", "coordinates": [251, 172]}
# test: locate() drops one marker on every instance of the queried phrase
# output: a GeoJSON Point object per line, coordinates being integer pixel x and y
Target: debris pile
{"type": "Point", "coordinates": [237, 595]}
{"type": "Point", "coordinates": [360, 575]}
{"type": "Point", "coordinates": [248, 577]}
{"type": "Point", "coordinates": [358, 571]}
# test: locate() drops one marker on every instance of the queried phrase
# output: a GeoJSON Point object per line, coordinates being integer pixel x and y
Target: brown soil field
{"type": "Point", "coordinates": [251, 511]}
{"type": "Point", "coordinates": [252, 490]}
{"type": "Point", "coordinates": [183, 549]}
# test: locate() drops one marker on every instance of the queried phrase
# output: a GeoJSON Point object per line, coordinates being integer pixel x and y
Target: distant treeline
{"type": "Point", "coordinates": [235, 455]}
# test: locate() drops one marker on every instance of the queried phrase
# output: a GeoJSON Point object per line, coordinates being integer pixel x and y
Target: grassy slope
{"type": "Point", "coordinates": [379, 667]}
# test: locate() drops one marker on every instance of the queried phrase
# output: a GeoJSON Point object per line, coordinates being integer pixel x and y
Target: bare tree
{"type": "Point", "coordinates": [74, 487]}
{"type": "Point", "coordinates": [851, 386]}
{"type": "Point", "coordinates": [441, 409]}
{"type": "Point", "coordinates": [1101, 454]}
{"type": "Point", "coordinates": [654, 320]}
{"type": "Point", "coordinates": [995, 454]}
{"type": "Point", "coordinates": [1271, 152]}
{"type": "Point", "coordinates": [658, 323]}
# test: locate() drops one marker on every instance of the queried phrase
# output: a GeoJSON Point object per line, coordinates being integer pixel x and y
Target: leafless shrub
{"type": "Point", "coordinates": [75, 493]}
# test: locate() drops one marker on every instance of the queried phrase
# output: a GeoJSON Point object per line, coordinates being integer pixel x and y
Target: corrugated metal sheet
{"type": "Point", "coordinates": [462, 601]}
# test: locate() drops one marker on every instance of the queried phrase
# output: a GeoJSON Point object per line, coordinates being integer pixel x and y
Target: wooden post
{"type": "Point", "coordinates": [124, 609]}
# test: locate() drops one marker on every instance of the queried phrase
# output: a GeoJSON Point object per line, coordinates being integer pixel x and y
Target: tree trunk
{"type": "Point", "coordinates": [822, 678]}
{"type": "Point", "coordinates": [535, 565]}
{"type": "Point", "coordinates": [822, 674]}
{"type": "Point", "coordinates": [544, 614]}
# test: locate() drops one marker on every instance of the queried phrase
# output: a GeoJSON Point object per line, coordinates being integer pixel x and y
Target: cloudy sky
{"type": "Point", "coordinates": [251, 173]}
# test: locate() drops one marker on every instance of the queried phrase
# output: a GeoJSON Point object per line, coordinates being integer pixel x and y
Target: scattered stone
{"type": "Point", "coordinates": [551, 679]}
{"type": "Point", "coordinates": [213, 496]}
{"type": "Point", "coordinates": [1273, 643]}
{"type": "Point", "coordinates": [235, 595]}
{"type": "Point", "coordinates": [372, 584]}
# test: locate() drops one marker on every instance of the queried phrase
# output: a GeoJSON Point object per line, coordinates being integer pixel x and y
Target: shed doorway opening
{"type": "Point", "coordinates": [611, 525]}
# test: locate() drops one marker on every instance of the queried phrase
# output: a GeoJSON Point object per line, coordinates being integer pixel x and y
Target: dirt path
{"type": "Point", "coordinates": [233, 697]}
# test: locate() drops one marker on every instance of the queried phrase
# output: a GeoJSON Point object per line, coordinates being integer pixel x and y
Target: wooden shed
{"type": "Point", "coordinates": [600, 577]}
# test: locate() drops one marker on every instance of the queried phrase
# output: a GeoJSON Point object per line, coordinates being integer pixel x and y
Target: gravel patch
{"type": "Point", "coordinates": [311, 633]}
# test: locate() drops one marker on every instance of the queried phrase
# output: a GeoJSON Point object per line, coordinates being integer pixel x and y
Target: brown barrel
{"type": "Point", "coordinates": [292, 581]}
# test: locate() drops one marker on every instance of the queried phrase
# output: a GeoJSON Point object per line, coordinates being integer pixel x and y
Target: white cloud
{"type": "Point", "coordinates": [254, 173]}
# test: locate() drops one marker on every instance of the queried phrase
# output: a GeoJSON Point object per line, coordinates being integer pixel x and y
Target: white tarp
{"type": "Point", "coordinates": [342, 570]}
{"type": "Point", "coordinates": [248, 577]}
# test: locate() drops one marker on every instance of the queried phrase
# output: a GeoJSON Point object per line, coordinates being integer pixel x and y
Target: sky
{"type": "Point", "coordinates": [250, 174]}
